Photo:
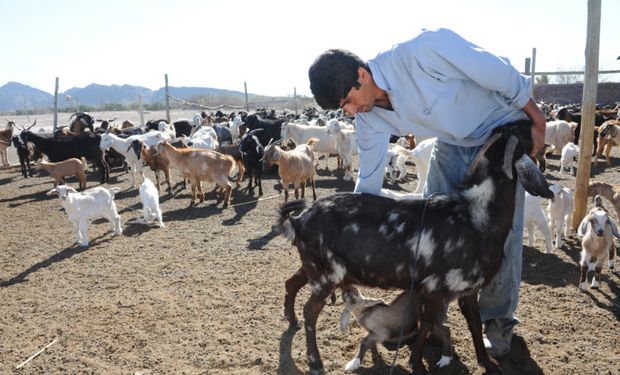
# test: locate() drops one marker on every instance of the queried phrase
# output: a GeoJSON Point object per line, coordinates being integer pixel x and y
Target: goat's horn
{"type": "Point", "coordinates": [33, 124]}
{"type": "Point", "coordinates": [509, 153]}
{"type": "Point", "coordinates": [480, 154]}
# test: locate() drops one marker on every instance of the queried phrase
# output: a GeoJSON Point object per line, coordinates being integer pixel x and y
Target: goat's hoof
{"type": "Point", "coordinates": [583, 286]}
{"type": "Point", "coordinates": [319, 371]}
{"type": "Point", "coordinates": [353, 365]}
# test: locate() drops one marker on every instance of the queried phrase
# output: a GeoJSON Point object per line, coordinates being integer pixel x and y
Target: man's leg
{"type": "Point", "coordinates": [498, 300]}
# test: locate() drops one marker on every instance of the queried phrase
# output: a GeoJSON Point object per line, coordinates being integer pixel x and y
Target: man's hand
{"type": "Point", "coordinates": [539, 126]}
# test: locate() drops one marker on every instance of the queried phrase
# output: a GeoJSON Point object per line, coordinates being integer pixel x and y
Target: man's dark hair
{"type": "Point", "coordinates": [332, 75]}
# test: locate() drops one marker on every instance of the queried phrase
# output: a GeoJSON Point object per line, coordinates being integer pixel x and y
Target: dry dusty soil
{"type": "Point", "coordinates": [205, 294]}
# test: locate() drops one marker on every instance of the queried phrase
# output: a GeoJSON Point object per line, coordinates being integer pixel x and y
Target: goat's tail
{"type": "Point", "coordinates": [286, 224]}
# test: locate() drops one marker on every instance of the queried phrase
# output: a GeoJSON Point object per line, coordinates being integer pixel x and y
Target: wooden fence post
{"type": "Point", "coordinates": [588, 107]}
{"type": "Point", "coordinates": [55, 106]}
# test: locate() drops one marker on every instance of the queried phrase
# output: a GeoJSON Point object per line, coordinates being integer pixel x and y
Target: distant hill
{"type": "Point", "coordinates": [16, 96]}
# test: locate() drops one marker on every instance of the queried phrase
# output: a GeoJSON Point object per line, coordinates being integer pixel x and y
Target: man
{"type": "Point", "coordinates": [437, 85]}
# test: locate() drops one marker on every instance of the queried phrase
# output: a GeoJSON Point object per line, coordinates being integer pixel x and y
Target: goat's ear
{"type": "Point", "coordinates": [532, 178]}
{"type": "Point", "coordinates": [53, 191]}
{"type": "Point", "coordinates": [581, 231]}
{"type": "Point", "coordinates": [344, 319]}
{"type": "Point", "coordinates": [614, 228]}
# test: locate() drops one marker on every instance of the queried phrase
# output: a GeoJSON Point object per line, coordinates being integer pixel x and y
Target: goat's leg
{"type": "Point", "coordinates": [83, 225]}
{"type": "Point", "coordinates": [584, 276]}
{"type": "Point", "coordinates": [167, 175]}
{"type": "Point", "coordinates": [471, 311]}
{"type": "Point", "coordinates": [596, 279]}
{"type": "Point", "coordinates": [201, 194]}
{"type": "Point", "coordinates": [193, 183]}
{"type": "Point", "coordinates": [612, 254]}
{"type": "Point", "coordinates": [296, 191]}
{"type": "Point", "coordinates": [607, 152]}
{"type": "Point", "coordinates": [443, 333]}
{"type": "Point", "coordinates": [312, 309]}
{"type": "Point", "coordinates": [250, 181]}
{"type": "Point", "coordinates": [427, 318]}
{"type": "Point", "coordinates": [227, 196]}
{"type": "Point", "coordinates": [367, 342]}
{"type": "Point", "coordinates": [292, 286]}
{"type": "Point", "coordinates": [157, 180]}
{"type": "Point", "coordinates": [240, 172]}
{"type": "Point", "coordinates": [313, 191]}
{"type": "Point", "coordinates": [259, 182]}
{"type": "Point", "coordinates": [78, 235]}
{"type": "Point", "coordinates": [302, 186]}
{"type": "Point", "coordinates": [285, 192]}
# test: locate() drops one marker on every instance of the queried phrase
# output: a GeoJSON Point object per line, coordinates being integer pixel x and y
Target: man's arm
{"type": "Point", "coordinates": [539, 126]}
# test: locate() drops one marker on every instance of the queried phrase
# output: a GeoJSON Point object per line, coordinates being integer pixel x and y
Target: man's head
{"type": "Point", "coordinates": [332, 75]}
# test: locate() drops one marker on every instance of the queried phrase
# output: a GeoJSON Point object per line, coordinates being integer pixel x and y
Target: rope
{"type": "Point", "coordinates": [257, 200]}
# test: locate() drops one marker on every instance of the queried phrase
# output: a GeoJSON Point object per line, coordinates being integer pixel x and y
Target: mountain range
{"type": "Point", "coordinates": [16, 96]}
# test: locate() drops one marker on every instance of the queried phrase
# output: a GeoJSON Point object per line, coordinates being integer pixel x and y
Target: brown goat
{"type": "Point", "coordinates": [65, 168]}
{"type": "Point", "coordinates": [154, 161]}
{"type": "Point", "coordinates": [296, 166]}
{"type": "Point", "coordinates": [607, 191]}
{"type": "Point", "coordinates": [198, 165]}
{"type": "Point", "coordinates": [608, 136]}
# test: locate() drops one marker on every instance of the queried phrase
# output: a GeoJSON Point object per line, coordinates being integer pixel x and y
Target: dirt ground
{"type": "Point", "coordinates": [205, 294]}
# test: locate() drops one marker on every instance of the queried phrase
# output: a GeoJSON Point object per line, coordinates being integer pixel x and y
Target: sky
{"type": "Point", "coordinates": [269, 44]}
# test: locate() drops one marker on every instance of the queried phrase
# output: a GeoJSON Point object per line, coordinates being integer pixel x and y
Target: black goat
{"type": "Point", "coordinates": [24, 152]}
{"type": "Point", "coordinates": [272, 129]}
{"type": "Point", "coordinates": [252, 153]}
{"type": "Point", "coordinates": [445, 248]}
{"type": "Point", "coordinates": [63, 148]}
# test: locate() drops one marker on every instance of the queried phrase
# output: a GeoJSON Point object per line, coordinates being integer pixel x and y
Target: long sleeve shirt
{"type": "Point", "coordinates": [440, 85]}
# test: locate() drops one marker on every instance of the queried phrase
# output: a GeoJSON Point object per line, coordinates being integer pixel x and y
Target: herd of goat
{"type": "Point", "coordinates": [399, 243]}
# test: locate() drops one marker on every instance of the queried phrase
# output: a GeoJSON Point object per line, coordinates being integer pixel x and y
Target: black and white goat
{"type": "Point", "coordinates": [445, 248]}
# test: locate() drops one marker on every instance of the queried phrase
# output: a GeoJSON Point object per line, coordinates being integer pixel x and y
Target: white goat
{"type": "Point", "coordinates": [421, 155]}
{"type": "Point", "coordinates": [559, 133]}
{"type": "Point", "coordinates": [326, 144]}
{"type": "Point", "coordinates": [234, 128]}
{"type": "Point", "coordinates": [150, 203]}
{"type": "Point", "coordinates": [167, 129]}
{"type": "Point", "coordinates": [569, 152]}
{"type": "Point", "coordinates": [205, 137]}
{"type": "Point", "coordinates": [123, 146]}
{"type": "Point", "coordinates": [597, 231]}
{"type": "Point", "coordinates": [560, 212]}
{"type": "Point", "coordinates": [534, 215]}
{"type": "Point", "coordinates": [93, 203]}
{"type": "Point", "coordinates": [346, 144]}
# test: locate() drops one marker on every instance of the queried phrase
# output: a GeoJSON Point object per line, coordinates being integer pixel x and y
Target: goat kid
{"type": "Point", "coordinates": [597, 231]}
{"type": "Point", "coordinates": [445, 248]}
{"type": "Point", "coordinates": [560, 212]}
{"type": "Point", "coordinates": [534, 215]}
{"type": "Point", "coordinates": [149, 195]}
{"type": "Point", "coordinates": [384, 323]}
{"type": "Point", "coordinates": [93, 203]}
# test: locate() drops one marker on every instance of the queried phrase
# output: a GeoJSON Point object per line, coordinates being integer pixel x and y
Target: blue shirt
{"type": "Point", "coordinates": [440, 85]}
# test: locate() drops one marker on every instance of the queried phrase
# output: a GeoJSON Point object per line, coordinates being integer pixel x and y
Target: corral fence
{"type": "Point", "coordinates": [294, 103]}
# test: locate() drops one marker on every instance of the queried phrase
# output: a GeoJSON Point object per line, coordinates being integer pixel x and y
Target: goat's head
{"type": "Point", "coordinates": [598, 220]}
{"type": "Point", "coordinates": [137, 147]}
{"type": "Point", "coordinates": [507, 151]}
{"type": "Point", "coordinates": [106, 141]}
{"type": "Point", "coordinates": [63, 191]}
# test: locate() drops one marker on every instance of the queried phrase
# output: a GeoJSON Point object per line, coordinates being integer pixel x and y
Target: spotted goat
{"type": "Point", "coordinates": [445, 248]}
